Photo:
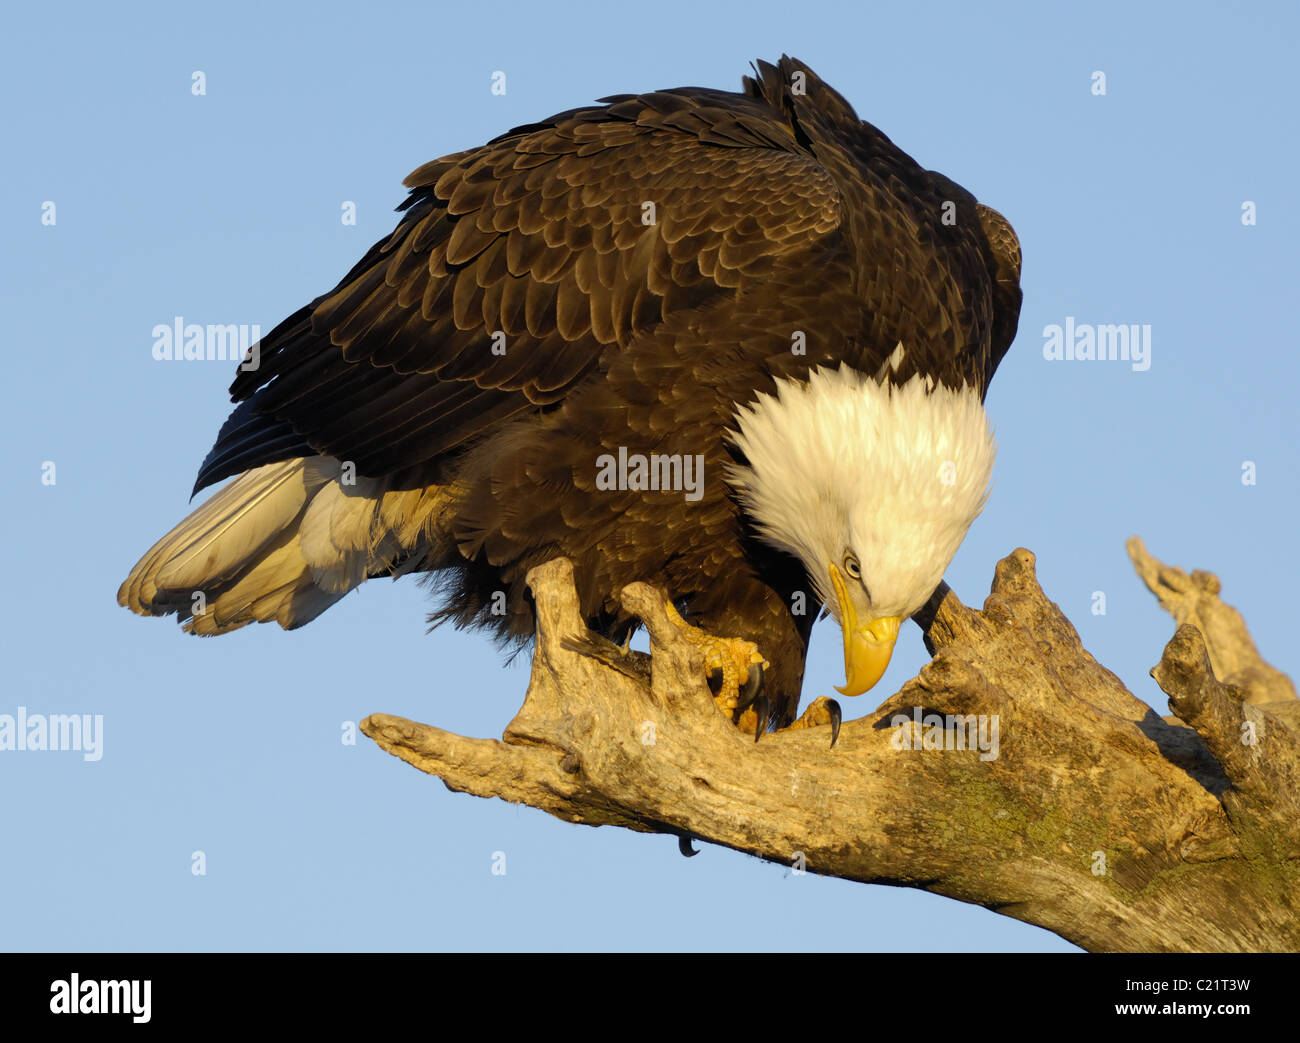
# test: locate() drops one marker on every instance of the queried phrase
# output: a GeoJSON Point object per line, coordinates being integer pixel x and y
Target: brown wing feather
{"type": "Point", "coordinates": [544, 235]}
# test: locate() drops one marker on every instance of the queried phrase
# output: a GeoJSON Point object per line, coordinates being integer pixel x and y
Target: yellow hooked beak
{"type": "Point", "coordinates": [867, 648]}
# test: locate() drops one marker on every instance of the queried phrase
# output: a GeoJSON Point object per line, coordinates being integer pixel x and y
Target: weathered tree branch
{"type": "Point", "coordinates": [1195, 600]}
{"type": "Point", "coordinates": [1084, 813]}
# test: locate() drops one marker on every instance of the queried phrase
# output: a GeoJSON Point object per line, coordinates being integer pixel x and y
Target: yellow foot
{"type": "Point", "coordinates": [821, 711]}
{"type": "Point", "coordinates": [734, 656]}
{"type": "Point", "coordinates": [754, 720]}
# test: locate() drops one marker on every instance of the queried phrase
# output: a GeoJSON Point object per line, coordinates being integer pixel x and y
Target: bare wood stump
{"type": "Point", "coordinates": [1084, 813]}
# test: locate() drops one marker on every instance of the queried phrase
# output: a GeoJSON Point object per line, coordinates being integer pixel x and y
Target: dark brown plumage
{"type": "Point", "coordinates": [774, 211]}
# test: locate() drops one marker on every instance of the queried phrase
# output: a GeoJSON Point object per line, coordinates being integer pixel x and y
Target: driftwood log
{"type": "Point", "coordinates": [1072, 805]}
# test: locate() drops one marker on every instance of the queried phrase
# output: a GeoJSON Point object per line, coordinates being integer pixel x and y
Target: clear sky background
{"type": "Point", "coordinates": [225, 208]}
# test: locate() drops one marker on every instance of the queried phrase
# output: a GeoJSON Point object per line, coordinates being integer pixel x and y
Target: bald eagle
{"type": "Point", "coordinates": [736, 345]}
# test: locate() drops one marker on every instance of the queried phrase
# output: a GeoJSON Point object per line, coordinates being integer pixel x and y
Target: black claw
{"type": "Point", "coordinates": [715, 680]}
{"type": "Point", "coordinates": [750, 689]}
{"type": "Point", "coordinates": [762, 711]}
{"type": "Point", "coordinates": [833, 708]}
{"type": "Point", "coordinates": [684, 846]}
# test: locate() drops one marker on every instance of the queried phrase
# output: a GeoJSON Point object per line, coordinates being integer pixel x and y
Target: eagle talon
{"type": "Point", "coordinates": [821, 711]}
{"type": "Point", "coordinates": [752, 687]}
{"type": "Point", "coordinates": [762, 714]}
{"type": "Point", "coordinates": [728, 660]}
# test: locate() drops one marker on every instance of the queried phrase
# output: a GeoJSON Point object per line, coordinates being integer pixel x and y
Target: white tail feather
{"type": "Point", "coordinates": [282, 542]}
{"type": "Point", "coordinates": [231, 528]}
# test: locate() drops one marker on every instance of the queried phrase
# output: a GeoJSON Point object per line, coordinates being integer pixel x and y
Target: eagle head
{"type": "Point", "coordinates": [872, 485]}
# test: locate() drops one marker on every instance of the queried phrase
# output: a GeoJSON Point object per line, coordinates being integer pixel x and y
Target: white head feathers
{"type": "Point", "coordinates": [893, 474]}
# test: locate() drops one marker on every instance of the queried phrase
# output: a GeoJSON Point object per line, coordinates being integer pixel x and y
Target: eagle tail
{"type": "Point", "coordinates": [283, 542]}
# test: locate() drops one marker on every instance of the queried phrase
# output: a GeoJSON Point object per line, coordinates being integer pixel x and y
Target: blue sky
{"type": "Point", "coordinates": [225, 208]}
